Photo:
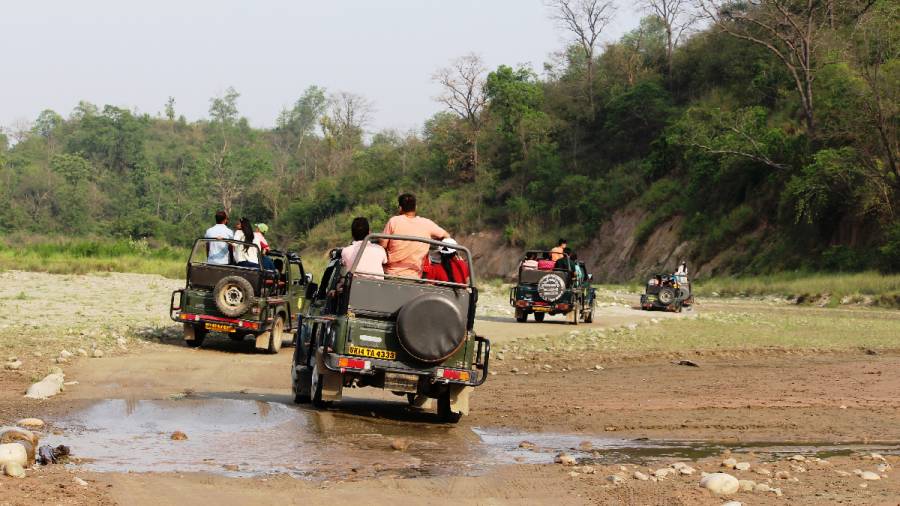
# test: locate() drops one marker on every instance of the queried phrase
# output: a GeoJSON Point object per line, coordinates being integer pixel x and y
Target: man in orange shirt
{"type": "Point", "coordinates": [557, 252]}
{"type": "Point", "coordinates": [405, 257]}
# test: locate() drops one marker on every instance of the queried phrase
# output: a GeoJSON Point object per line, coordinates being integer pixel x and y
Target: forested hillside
{"type": "Point", "coordinates": [767, 129]}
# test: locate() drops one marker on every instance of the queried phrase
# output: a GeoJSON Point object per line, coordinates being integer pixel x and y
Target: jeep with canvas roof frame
{"type": "Point", "coordinates": [239, 300]}
{"type": "Point", "coordinates": [411, 336]}
{"type": "Point", "coordinates": [552, 291]}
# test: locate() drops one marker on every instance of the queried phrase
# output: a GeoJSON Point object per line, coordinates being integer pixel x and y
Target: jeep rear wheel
{"type": "Point", "coordinates": [522, 316]}
{"type": "Point", "coordinates": [193, 335]}
{"type": "Point", "coordinates": [276, 335]}
{"type": "Point", "coordinates": [315, 386]}
{"type": "Point", "coordinates": [445, 412]}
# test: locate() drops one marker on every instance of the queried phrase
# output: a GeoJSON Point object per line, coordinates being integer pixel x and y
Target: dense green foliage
{"type": "Point", "coordinates": [722, 139]}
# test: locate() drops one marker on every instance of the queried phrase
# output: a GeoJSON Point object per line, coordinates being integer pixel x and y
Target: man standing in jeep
{"type": "Point", "coordinates": [405, 257]}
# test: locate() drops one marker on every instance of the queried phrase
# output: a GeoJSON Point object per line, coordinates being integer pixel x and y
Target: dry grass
{"type": "Point", "coordinates": [864, 287]}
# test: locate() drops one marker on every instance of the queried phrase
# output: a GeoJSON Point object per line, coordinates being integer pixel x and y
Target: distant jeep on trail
{"type": "Point", "coordinates": [411, 336]}
{"type": "Point", "coordinates": [552, 291]}
{"type": "Point", "coordinates": [239, 301]}
{"type": "Point", "coordinates": [667, 292]}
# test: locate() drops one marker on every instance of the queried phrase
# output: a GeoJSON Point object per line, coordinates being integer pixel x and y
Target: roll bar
{"type": "Point", "coordinates": [432, 242]}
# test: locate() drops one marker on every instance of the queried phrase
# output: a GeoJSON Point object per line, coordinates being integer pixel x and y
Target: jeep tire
{"type": "Point", "coordinates": [539, 317]}
{"type": "Point", "coordinates": [193, 335]}
{"type": "Point", "coordinates": [233, 296]}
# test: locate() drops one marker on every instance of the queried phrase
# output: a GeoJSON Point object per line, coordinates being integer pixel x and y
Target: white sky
{"type": "Point", "coordinates": [135, 54]}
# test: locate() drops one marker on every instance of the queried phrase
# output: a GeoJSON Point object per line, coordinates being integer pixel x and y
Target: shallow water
{"type": "Point", "coordinates": [239, 437]}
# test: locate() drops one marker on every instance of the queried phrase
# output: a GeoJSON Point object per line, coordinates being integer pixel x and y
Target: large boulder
{"type": "Point", "coordinates": [47, 387]}
{"type": "Point", "coordinates": [720, 483]}
{"type": "Point", "coordinates": [13, 453]}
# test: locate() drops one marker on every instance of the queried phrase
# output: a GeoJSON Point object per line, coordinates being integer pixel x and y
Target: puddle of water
{"type": "Point", "coordinates": [251, 438]}
{"type": "Point", "coordinates": [237, 437]}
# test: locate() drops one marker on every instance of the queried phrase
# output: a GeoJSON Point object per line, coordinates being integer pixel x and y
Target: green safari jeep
{"type": "Point", "coordinates": [413, 337]}
{"type": "Point", "coordinates": [240, 300]}
{"type": "Point", "coordinates": [552, 291]}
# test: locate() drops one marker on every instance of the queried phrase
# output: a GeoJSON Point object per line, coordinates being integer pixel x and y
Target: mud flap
{"type": "Point", "coordinates": [188, 332]}
{"type": "Point", "coordinates": [262, 340]}
{"type": "Point", "coordinates": [332, 383]}
{"type": "Point", "coordinates": [459, 399]}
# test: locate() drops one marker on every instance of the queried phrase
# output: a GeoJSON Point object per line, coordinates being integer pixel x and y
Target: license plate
{"type": "Point", "coordinates": [541, 309]}
{"type": "Point", "coordinates": [371, 352]}
{"type": "Point", "coordinates": [218, 327]}
{"type": "Point", "coordinates": [651, 297]}
{"type": "Point", "coordinates": [397, 382]}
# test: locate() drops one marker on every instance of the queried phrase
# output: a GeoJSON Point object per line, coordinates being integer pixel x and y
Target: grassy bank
{"type": "Point", "coordinates": [82, 256]}
{"type": "Point", "coordinates": [832, 289]}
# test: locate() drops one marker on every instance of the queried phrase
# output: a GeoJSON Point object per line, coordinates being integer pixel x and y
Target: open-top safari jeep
{"type": "Point", "coordinates": [239, 301]}
{"type": "Point", "coordinates": [557, 291]}
{"type": "Point", "coordinates": [668, 292]}
{"type": "Point", "coordinates": [411, 336]}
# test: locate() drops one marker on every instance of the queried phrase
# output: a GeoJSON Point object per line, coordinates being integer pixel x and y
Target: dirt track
{"type": "Point", "coordinates": [731, 400]}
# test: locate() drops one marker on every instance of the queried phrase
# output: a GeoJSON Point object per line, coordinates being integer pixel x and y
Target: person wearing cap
{"type": "Point", "coordinates": [448, 267]}
{"type": "Point", "coordinates": [259, 230]}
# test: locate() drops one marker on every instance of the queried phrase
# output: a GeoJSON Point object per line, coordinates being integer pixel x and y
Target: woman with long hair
{"type": "Point", "coordinates": [247, 255]}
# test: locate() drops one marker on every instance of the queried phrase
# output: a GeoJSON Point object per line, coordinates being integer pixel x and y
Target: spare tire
{"type": "Point", "coordinates": [666, 295]}
{"type": "Point", "coordinates": [551, 287]}
{"type": "Point", "coordinates": [430, 328]}
{"type": "Point", "coordinates": [233, 296]}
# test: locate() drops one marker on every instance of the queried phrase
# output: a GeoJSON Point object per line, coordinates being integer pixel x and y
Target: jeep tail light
{"type": "Point", "coordinates": [452, 374]}
{"type": "Point", "coordinates": [521, 303]}
{"type": "Point", "coordinates": [248, 325]}
{"type": "Point", "coordinates": [354, 363]}
{"type": "Point", "coordinates": [563, 307]}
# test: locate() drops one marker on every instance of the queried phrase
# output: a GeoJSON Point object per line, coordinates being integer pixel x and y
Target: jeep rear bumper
{"type": "Point", "coordinates": [353, 364]}
{"type": "Point", "coordinates": [176, 314]}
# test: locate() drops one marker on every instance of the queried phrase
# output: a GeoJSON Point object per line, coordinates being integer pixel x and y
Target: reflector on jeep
{"type": "Point", "coordinates": [354, 363]}
{"type": "Point", "coordinates": [452, 374]}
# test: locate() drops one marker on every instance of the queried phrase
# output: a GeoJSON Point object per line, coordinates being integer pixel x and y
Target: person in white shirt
{"type": "Point", "coordinates": [373, 259]}
{"type": "Point", "coordinates": [218, 252]}
{"type": "Point", "coordinates": [246, 256]}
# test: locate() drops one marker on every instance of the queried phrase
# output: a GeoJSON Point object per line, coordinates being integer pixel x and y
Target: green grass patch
{"type": "Point", "coordinates": [863, 287]}
{"type": "Point", "coordinates": [83, 256]}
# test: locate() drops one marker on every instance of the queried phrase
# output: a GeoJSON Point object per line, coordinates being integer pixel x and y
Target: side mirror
{"type": "Point", "coordinates": [309, 278]}
{"type": "Point", "coordinates": [311, 289]}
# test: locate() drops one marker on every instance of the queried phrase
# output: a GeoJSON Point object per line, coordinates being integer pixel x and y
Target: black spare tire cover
{"type": "Point", "coordinates": [430, 328]}
{"type": "Point", "coordinates": [551, 287]}
{"type": "Point", "coordinates": [233, 296]}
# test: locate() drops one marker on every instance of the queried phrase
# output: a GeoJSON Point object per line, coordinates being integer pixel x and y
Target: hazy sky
{"type": "Point", "coordinates": [135, 54]}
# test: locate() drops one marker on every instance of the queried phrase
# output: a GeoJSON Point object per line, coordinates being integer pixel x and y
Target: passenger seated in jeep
{"type": "Point", "coordinates": [405, 258]}
{"type": "Point", "coordinates": [447, 266]}
{"type": "Point", "coordinates": [373, 257]}
{"type": "Point", "coordinates": [530, 261]}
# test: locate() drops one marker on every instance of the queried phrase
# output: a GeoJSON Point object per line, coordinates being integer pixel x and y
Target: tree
{"type": "Point", "coordinates": [677, 16]}
{"type": "Point", "coordinates": [789, 29]}
{"type": "Point", "coordinates": [170, 108]}
{"type": "Point", "coordinates": [585, 20]}
{"type": "Point", "coordinates": [463, 83]}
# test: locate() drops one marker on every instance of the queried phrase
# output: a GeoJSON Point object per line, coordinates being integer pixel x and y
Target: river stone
{"type": "Point", "coordinates": [614, 479]}
{"type": "Point", "coordinates": [47, 387]}
{"type": "Point", "coordinates": [661, 473]}
{"type": "Point", "coordinates": [178, 436]}
{"type": "Point", "coordinates": [14, 365]}
{"type": "Point", "coordinates": [869, 475]}
{"type": "Point", "coordinates": [720, 483]}
{"type": "Point", "coordinates": [81, 352]}
{"type": "Point", "coordinates": [98, 353]}
{"type": "Point", "coordinates": [565, 459]}
{"type": "Point", "coordinates": [747, 485]}
{"type": "Point", "coordinates": [762, 487]}
{"type": "Point", "coordinates": [640, 476]}
{"type": "Point", "coordinates": [742, 466]}
{"type": "Point", "coordinates": [797, 458]}
{"type": "Point", "coordinates": [733, 503]}
{"type": "Point", "coordinates": [527, 445]}
{"type": "Point", "coordinates": [14, 470]}
{"type": "Point", "coordinates": [399, 444]}
{"type": "Point", "coordinates": [31, 423]}
{"type": "Point", "coordinates": [80, 482]}
{"type": "Point", "coordinates": [686, 470]}
{"type": "Point", "coordinates": [729, 463]}
{"type": "Point", "coordinates": [883, 468]}
{"type": "Point", "coordinates": [13, 453]}
{"type": "Point", "coordinates": [65, 354]}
